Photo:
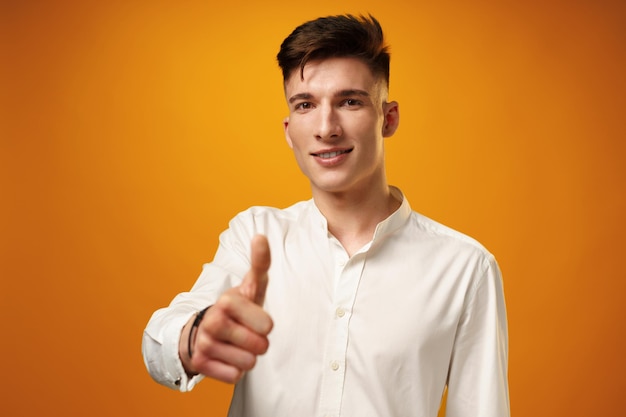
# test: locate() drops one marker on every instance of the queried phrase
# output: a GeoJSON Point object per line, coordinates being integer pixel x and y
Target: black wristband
{"type": "Point", "coordinates": [195, 324]}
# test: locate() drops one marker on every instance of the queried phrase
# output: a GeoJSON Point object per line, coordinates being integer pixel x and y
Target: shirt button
{"type": "Point", "coordinates": [340, 312]}
{"type": "Point", "coordinates": [334, 365]}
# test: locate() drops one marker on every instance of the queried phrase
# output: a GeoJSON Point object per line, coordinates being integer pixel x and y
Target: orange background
{"type": "Point", "coordinates": [132, 131]}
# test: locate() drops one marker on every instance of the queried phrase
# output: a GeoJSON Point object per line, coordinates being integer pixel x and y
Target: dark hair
{"type": "Point", "coordinates": [336, 36]}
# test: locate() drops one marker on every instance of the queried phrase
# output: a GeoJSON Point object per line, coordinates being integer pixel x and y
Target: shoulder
{"type": "Point", "coordinates": [272, 222]}
{"type": "Point", "coordinates": [454, 253]}
{"type": "Point", "coordinates": [434, 237]}
{"type": "Point", "coordinates": [259, 213]}
{"type": "Point", "coordinates": [436, 229]}
{"type": "Point", "coordinates": [260, 219]}
{"type": "Point", "coordinates": [447, 238]}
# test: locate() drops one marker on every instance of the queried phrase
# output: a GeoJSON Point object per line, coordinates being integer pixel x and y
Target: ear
{"type": "Point", "coordinates": [286, 127]}
{"type": "Point", "coordinates": [391, 113]}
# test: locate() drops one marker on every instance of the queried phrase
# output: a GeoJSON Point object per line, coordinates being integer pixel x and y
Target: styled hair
{"type": "Point", "coordinates": [333, 37]}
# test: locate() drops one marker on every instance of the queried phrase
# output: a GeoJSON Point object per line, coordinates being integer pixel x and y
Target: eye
{"type": "Point", "coordinates": [305, 105]}
{"type": "Point", "coordinates": [352, 102]}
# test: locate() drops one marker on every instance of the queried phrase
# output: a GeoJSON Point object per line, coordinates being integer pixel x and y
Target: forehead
{"type": "Point", "coordinates": [332, 74]}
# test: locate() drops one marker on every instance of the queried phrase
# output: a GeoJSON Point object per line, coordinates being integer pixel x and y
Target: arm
{"type": "Point", "coordinates": [477, 381]}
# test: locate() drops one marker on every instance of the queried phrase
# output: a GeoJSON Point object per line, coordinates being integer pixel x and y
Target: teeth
{"type": "Point", "coordinates": [327, 155]}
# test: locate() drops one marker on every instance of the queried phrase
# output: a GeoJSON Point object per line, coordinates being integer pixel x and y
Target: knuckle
{"type": "Point", "coordinates": [235, 377]}
{"type": "Point", "coordinates": [268, 325]}
{"type": "Point", "coordinates": [204, 348]}
{"type": "Point", "coordinates": [248, 363]}
{"type": "Point", "coordinates": [263, 346]}
{"type": "Point", "coordinates": [210, 325]}
{"type": "Point", "coordinates": [256, 344]}
{"type": "Point", "coordinates": [217, 325]}
{"type": "Point", "coordinates": [226, 301]}
{"type": "Point", "coordinates": [237, 335]}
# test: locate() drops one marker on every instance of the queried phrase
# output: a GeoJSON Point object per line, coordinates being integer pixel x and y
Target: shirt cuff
{"type": "Point", "coordinates": [171, 373]}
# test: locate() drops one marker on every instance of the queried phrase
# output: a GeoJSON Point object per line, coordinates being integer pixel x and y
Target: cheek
{"type": "Point", "coordinates": [365, 122]}
{"type": "Point", "coordinates": [367, 134]}
{"type": "Point", "coordinates": [295, 134]}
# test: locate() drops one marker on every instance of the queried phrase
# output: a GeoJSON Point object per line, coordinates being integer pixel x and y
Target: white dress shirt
{"type": "Point", "coordinates": [380, 333]}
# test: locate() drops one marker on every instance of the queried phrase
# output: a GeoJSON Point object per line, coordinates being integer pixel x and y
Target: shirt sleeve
{"type": "Point", "coordinates": [478, 381]}
{"type": "Point", "coordinates": [160, 350]}
{"type": "Point", "coordinates": [162, 334]}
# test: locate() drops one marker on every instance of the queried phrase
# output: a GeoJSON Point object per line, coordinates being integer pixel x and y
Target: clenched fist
{"type": "Point", "coordinates": [233, 332]}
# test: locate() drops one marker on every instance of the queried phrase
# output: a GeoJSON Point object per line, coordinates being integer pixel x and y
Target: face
{"type": "Point", "coordinates": [337, 120]}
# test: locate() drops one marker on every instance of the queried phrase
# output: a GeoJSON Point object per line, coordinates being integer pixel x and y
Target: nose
{"type": "Point", "coordinates": [328, 124]}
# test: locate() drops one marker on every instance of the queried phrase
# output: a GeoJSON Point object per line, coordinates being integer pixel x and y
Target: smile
{"type": "Point", "coordinates": [328, 155]}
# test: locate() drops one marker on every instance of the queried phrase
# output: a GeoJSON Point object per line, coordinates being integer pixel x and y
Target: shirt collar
{"type": "Point", "coordinates": [397, 219]}
{"type": "Point", "coordinates": [387, 226]}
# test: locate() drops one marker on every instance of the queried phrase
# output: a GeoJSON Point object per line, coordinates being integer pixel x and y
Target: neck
{"type": "Point", "coordinates": [353, 216]}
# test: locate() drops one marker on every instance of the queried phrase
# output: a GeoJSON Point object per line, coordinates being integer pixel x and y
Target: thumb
{"type": "Point", "coordinates": [255, 282]}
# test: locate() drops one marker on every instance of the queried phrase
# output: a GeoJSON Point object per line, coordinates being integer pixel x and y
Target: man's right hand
{"type": "Point", "coordinates": [234, 330]}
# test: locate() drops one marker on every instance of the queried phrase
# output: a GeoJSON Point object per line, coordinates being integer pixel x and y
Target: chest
{"type": "Point", "coordinates": [382, 302]}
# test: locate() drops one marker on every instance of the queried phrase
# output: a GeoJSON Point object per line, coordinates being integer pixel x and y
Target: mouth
{"type": "Point", "coordinates": [331, 154]}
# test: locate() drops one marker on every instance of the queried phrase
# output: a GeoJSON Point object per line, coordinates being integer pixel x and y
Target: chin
{"type": "Point", "coordinates": [330, 187]}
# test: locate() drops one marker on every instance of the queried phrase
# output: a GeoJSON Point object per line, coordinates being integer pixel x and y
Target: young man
{"type": "Point", "coordinates": [371, 309]}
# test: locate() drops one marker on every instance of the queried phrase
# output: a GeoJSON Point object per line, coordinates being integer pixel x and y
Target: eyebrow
{"type": "Point", "coordinates": [342, 93]}
{"type": "Point", "coordinates": [353, 92]}
{"type": "Point", "coordinates": [300, 96]}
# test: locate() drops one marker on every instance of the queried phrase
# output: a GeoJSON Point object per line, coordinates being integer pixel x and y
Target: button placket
{"type": "Point", "coordinates": [348, 273]}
